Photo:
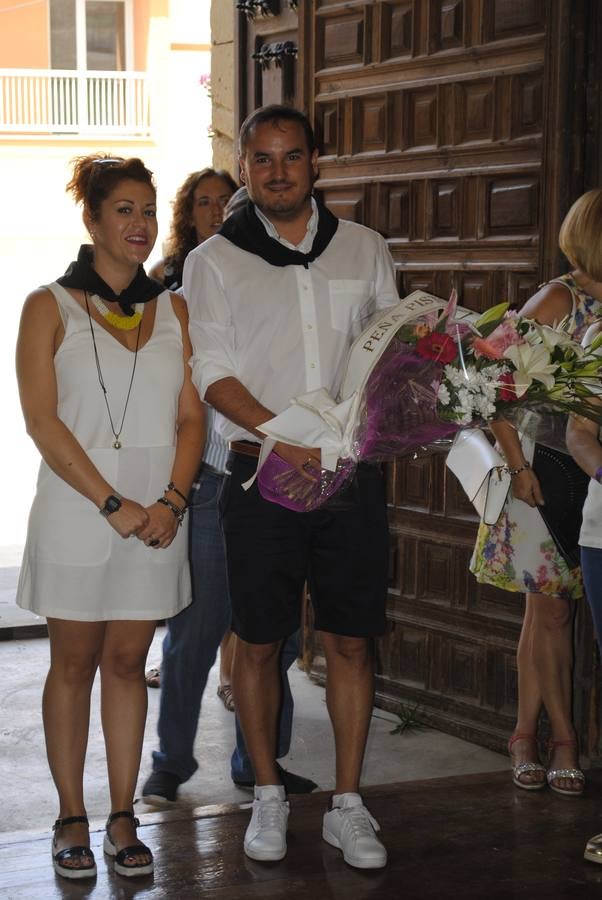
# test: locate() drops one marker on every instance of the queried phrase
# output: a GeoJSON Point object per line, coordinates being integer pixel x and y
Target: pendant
{"type": "Point", "coordinates": [117, 444]}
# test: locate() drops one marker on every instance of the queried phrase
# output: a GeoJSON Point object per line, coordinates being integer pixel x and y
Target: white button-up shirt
{"type": "Point", "coordinates": [283, 330]}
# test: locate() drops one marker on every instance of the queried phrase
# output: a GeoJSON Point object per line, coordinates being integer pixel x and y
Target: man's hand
{"type": "Point", "coordinates": [307, 462]}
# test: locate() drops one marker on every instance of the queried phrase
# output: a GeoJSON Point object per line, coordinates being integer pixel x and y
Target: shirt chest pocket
{"type": "Point", "coordinates": [347, 297]}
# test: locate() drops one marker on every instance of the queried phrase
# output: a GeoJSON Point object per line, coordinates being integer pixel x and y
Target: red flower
{"type": "Point", "coordinates": [507, 394]}
{"type": "Point", "coordinates": [437, 346]}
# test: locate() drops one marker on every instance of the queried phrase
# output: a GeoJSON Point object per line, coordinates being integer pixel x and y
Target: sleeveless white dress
{"type": "Point", "coordinates": [75, 565]}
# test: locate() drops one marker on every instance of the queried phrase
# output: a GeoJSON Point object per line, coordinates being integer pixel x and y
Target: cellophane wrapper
{"type": "Point", "coordinates": [398, 415]}
{"type": "Point", "coordinates": [278, 482]}
{"type": "Point", "coordinates": [399, 409]}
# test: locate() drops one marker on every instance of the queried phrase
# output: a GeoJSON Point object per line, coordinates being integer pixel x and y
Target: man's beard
{"type": "Point", "coordinates": [287, 211]}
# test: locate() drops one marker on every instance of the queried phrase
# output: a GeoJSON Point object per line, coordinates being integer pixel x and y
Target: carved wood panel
{"type": "Point", "coordinates": [267, 46]}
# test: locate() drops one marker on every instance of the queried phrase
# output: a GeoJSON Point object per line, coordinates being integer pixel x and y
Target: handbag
{"type": "Point", "coordinates": [564, 486]}
{"type": "Point", "coordinates": [481, 471]}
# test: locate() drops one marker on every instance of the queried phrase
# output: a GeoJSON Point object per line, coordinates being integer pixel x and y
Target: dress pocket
{"type": "Point", "coordinates": [65, 528]}
{"type": "Point", "coordinates": [348, 297]}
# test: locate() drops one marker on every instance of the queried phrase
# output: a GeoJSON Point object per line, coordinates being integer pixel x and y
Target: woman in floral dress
{"type": "Point", "coordinates": [518, 553]}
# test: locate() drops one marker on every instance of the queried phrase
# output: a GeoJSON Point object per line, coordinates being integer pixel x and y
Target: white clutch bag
{"type": "Point", "coordinates": [481, 471]}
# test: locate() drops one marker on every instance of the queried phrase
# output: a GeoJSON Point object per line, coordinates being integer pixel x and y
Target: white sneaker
{"type": "Point", "coordinates": [350, 827]}
{"type": "Point", "coordinates": [265, 837]}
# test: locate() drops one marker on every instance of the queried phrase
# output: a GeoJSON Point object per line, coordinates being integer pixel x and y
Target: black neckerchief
{"type": "Point", "coordinates": [244, 229]}
{"type": "Point", "coordinates": [81, 276]}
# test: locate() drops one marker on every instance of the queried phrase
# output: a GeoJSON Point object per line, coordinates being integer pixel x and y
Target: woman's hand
{"type": "Point", "coordinates": [129, 519]}
{"type": "Point", "coordinates": [526, 487]}
{"type": "Point", "coordinates": [161, 527]}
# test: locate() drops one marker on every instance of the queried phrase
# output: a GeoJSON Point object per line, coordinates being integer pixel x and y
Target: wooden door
{"type": "Point", "coordinates": [267, 50]}
{"type": "Point", "coordinates": [461, 130]}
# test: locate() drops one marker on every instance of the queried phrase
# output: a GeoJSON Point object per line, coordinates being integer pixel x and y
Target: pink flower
{"type": "Point", "coordinates": [504, 336]}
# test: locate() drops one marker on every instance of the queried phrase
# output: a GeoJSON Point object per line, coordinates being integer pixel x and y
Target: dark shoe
{"type": "Point", "coordinates": [133, 869]}
{"type": "Point", "coordinates": [224, 692]}
{"type": "Point", "coordinates": [161, 788]}
{"type": "Point", "coordinates": [85, 866]}
{"type": "Point", "coordinates": [153, 677]}
{"type": "Point", "coordinates": [293, 784]}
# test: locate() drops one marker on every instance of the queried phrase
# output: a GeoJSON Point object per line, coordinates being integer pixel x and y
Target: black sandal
{"type": "Point", "coordinates": [131, 871]}
{"type": "Point", "coordinates": [87, 867]}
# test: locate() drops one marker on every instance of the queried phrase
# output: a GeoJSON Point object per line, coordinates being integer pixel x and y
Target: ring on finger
{"type": "Point", "coordinates": [308, 464]}
{"type": "Point", "coordinates": [154, 543]}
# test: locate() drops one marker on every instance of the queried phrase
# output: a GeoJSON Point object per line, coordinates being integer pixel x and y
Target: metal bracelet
{"type": "Point", "coordinates": [518, 470]}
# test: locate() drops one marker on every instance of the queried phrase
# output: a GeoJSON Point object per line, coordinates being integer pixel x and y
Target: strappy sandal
{"type": "Point", "coordinates": [224, 692]}
{"type": "Point", "coordinates": [153, 677]}
{"type": "Point", "coordinates": [576, 775]}
{"type": "Point", "coordinates": [86, 867]}
{"type": "Point", "coordinates": [136, 869]}
{"type": "Point", "coordinates": [526, 768]}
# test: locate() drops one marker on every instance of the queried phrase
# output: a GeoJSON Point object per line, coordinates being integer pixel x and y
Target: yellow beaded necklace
{"type": "Point", "coordinates": [123, 323]}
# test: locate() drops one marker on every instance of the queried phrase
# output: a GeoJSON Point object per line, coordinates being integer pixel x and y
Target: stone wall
{"type": "Point", "coordinates": [222, 85]}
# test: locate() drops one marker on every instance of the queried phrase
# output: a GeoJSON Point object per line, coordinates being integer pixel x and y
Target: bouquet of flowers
{"type": "Point", "coordinates": [431, 369]}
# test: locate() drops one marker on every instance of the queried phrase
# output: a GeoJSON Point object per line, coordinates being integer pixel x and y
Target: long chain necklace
{"type": "Point", "coordinates": [123, 323]}
{"type": "Point", "coordinates": [116, 434]}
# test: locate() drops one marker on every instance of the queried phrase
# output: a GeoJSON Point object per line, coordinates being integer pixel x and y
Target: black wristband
{"type": "Point", "coordinates": [171, 487]}
{"type": "Point", "coordinates": [178, 513]}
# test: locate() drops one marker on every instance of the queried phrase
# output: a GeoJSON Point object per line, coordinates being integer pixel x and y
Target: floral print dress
{"type": "Point", "coordinates": [518, 553]}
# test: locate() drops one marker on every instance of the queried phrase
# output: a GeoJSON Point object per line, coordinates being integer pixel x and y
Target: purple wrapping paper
{"type": "Point", "coordinates": [399, 415]}
{"type": "Point", "coordinates": [399, 411]}
{"type": "Point", "coordinates": [280, 483]}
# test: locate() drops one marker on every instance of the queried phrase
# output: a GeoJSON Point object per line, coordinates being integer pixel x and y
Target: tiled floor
{"type": "Point", "coordinates": [28, 796]}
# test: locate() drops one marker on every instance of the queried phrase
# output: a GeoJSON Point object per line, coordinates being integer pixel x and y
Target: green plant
{"type": "Point", "coordinates": [408, 719]}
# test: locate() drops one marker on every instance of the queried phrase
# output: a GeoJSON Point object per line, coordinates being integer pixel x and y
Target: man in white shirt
{"type": "Point", "coordinates": [275, 301]}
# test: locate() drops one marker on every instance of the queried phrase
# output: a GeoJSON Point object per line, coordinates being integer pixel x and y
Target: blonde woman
{"type": "Point", "coordinates": [519, 554]}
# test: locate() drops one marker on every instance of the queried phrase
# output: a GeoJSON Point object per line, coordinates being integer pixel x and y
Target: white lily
{"type": "Point", "coordinates": [531, 364]}
{"type": "Point", "coordinates": [554, 336]}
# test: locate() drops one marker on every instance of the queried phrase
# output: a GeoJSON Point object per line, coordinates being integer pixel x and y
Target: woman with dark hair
{"type": "Point", "coordinates": [198, 213]}
{"type": "Point", "coordinates": [108, 399]}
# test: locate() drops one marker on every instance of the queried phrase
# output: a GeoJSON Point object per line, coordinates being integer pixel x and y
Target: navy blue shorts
{"type": "Point", "coordinates": [271, 551]}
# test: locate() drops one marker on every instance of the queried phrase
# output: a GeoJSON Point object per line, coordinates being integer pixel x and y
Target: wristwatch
{"type": "Point", "coordinates": [112, 504]}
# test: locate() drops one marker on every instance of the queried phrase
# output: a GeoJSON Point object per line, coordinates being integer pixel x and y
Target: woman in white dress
{"type": "Point", "coordinates": [107, 398]}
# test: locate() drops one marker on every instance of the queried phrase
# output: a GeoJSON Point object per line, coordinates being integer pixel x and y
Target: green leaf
{"type": "Point", "coordinates": [596, 343]}
{"type": "Point", "coordinates": [491, 318]}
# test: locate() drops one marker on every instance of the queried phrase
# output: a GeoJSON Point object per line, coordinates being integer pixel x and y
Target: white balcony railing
{"type": "Point", "coordinates": [67, 101]}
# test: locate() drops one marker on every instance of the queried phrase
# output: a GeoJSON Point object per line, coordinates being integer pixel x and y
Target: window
{"type": "Point", "coordinates": [91, 34]}
{"type": "Point", "coordinates": [105, 35]}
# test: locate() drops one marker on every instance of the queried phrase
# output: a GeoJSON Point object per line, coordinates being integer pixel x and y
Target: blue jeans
{"type": "Point", "coordinates": [191, 643]}
{"type": "Point", "coordinates": [591, 569]}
